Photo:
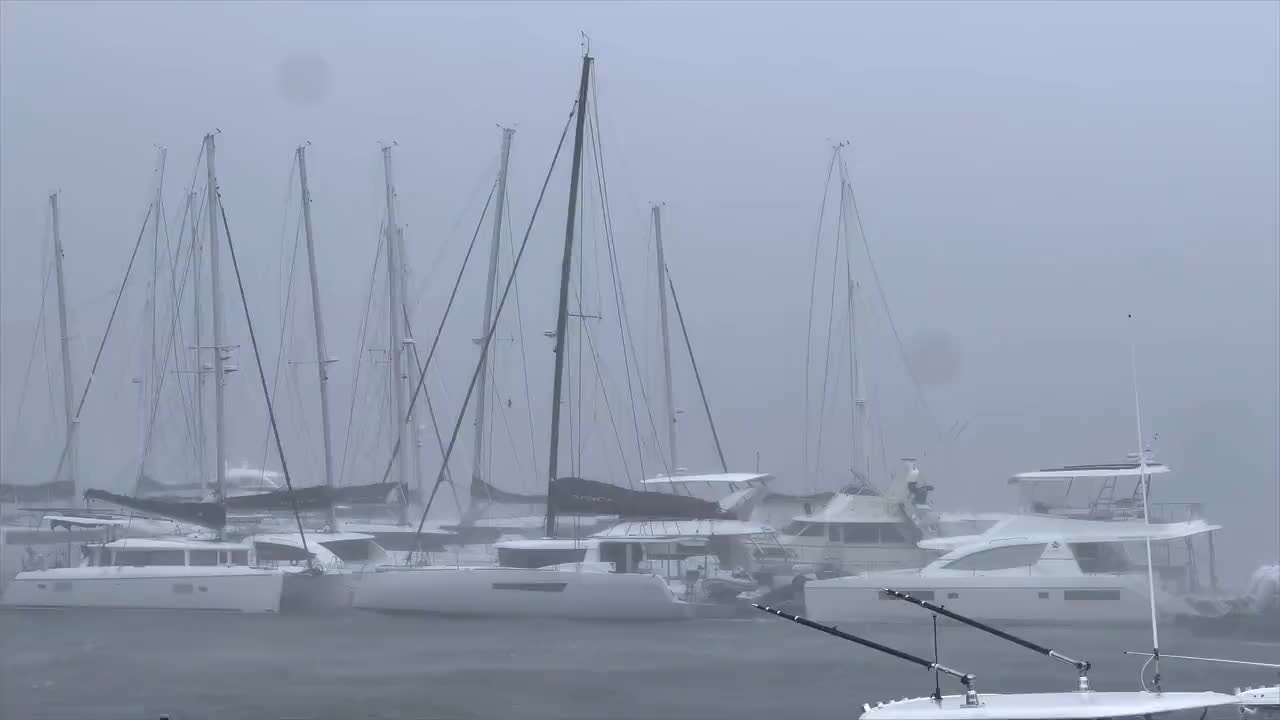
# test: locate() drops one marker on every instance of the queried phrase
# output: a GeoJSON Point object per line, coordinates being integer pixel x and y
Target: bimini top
{"type": "Point", "coordinates": [1086, 705]}
{"type": "Point", "coordinates": [1069, 472]}
{"type": "Point", "coordinates": [671, 530]}
{"type": "Point", "coordinates": [173, 544]}
{"type": "Point", "coordinates": [1032, 528]}
{"type": "Point", "coordinates": [710, 478]}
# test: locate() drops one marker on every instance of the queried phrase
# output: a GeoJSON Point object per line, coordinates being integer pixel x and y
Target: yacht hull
{"type": "Point", "coordinates": [230, 589]}
{"type": "Point", "coordinates": [1090, 599]}
{"type": "Point", "coordinates": [520, 592]}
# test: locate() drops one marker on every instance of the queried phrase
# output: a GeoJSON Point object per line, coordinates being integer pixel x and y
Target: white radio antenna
{"type": "Point", "coordinates": [1146, 508]}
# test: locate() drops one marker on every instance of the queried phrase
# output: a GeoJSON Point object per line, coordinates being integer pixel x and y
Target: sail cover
{"type": "Point", "coordinates": [307, 498]}
{"type": "Point", "coordinates": [210, 515]}
{"type": "Point", "coordinates": [576, 495]}
{"type": "Point", "coordinates": [370, 494]}
{"type": "Point", "coordinates": [37, 492]}
{"type": "Point", "coordinates": [481, 490]}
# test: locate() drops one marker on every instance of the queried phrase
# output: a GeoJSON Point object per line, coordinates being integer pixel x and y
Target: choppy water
{"type": "Point", "coordinates": [107, 665]}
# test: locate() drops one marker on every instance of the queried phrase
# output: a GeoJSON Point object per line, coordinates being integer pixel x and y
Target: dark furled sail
{"type": "Point", "coordinates": [150, 487]}
{"type": "Point", "coordinates": [37, 492]}
{"type": "Point", "coordinates": [210, 515]}
{"type": "Point", "coordinates": [370, 494]}
{"type": "Point", "coordinates": [307, 499]}
{"type": "Point", "coordinates": [481, 490]}
{"type": "Point", "coordinates": [591, 497]}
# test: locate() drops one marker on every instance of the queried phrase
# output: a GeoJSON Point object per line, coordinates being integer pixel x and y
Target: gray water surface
{"type": "Point", "coordinates": [104, 665]}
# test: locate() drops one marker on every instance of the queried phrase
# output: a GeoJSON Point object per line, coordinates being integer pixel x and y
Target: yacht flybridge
{"type": "Point", "coordinates": [1026, 569]}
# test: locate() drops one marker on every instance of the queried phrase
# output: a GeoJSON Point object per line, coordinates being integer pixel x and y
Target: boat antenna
{"type": "Point", "coordinates": [1146, 511]}
{"type": "Point", "coordinates": [937, 680]}
{"type": "Point", "coordinates": [966, 679]}
{"type": "Point", "coordinates": [1081, 666]}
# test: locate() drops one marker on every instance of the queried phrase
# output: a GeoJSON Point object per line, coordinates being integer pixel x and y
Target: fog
{"type": "Point", "coordinates": [1028, 176]}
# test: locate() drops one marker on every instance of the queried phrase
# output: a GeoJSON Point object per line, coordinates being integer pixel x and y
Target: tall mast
{"type": "Point", "coordinates": [150, 373]}
{"type": "Point", "coordinates": [397, 324]}
{"type": "Point", "coordinates": [562, 315]}
{"type": "Point", "coordinates": [862, 423]}
{"type": "Point", "coordinates": [73, 455]}
{"type": "Point", "coordinates": [197, 271]}
{"type": "Point", "coordinates": [486, 326]}
{"type": "Point", "coordinates": [1146, 511]}
{"type": "Point", "coordinates": [666, 340]}
{"type": "Point", "coordinates": [219, 348]}
{"type": "Point", "coordinates": [322, 356]}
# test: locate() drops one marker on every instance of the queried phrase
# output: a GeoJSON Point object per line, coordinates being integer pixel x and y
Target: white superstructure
{"type": "Point", "coordinates": [154, 574]}
{"type": "Point", "coordinates": [1026, 569]}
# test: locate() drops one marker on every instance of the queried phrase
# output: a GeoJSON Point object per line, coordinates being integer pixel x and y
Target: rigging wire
{"type": "Point", "coordinates": [484, 347]}
{"type": "Point", "coordinates": [619, 297]}
{"type": "Point", "coordinates": [826, 365]}
{"type": "Point", "coordinates": [813, 284]}
{"type": "Point", "coordinates": [524, 360]}
{"type": "Point", "coordinates": [361, 337]}
{"type": "Point", "coordinates": [884, 301]}
{"type": "Point", "coordinates": [262, 376]}
{"type": "Point", "coordinates": [18, 425]}
{"type": "Point", "coordinates": [93, 369]}
{"type": "Point", "coordinates": [715, 436]}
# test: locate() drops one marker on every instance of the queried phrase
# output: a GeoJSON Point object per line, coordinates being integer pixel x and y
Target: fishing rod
{"type": "Point", "coordinates": [966, 679]}
{"type": "Point", "coordinates": [1081, 666]}
{"type": "Point", "coordinates": [1273, 666]}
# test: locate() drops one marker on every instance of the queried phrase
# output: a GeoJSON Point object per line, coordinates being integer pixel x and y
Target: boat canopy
{"type": "Point", "coordinates": [844, 508]}
{"type": "Point", "coordinates": [173, 544]}
{"type": "Point", "coordinates": [671, 530]}
{"type": "Point", "coordinates": [579, 495]}
{"type": "Point", "coordinates": [1048, 706]}
{"type": "Point", "coordinates": [37, 492]}
{"type": "Point", "coordinates": [1032, 528]}
{"type": "Point", "coordinates": [731, 478]}
{"type": "Point", "coordinates": [1071, 472]}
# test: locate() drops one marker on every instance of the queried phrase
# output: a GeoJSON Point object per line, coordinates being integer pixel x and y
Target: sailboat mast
{"type": "Point", "coordinates": [197, 276]}
{"type": "Point", "coordinates": [322, 355]}
{"type": "Point", "coordinates": [73, 454]}
{"type": "Point", "coordinates": [219, 348]}
{"type": "Point", "coordinates": [666, 341]}
{"type": "Point", "coordinates": [562, 315]}
{"type": "Point", "coordinates": [396, 341]}
{"type": "Point", "coordinates": [862, 423]}
{"type": "Point", "coordinates": [150, 374]}
{"type": "Point", "coordinates": [486, 327]}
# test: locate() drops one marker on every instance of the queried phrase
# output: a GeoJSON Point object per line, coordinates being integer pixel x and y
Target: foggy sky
{"type": "Point", "coordinates": [1028, 175]}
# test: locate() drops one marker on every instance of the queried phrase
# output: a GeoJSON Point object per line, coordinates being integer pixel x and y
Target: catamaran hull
{"type": "Point", "coordinates": [231, 589]}
{"type": "Point", "coordinates": [1092, 600]}
{"type": "Point", "coordinates": [306, 592]}
{"type": "Point", "coordinates": [518, 592]}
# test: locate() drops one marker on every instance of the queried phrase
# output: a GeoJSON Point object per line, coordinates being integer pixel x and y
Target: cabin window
{"type": "Point", "coordinates": [891, 535]}
{"type": "Point", "coordinates": [348, 550]}
{"type": "Point", "coordinates": [62, 587]}
{"type": "Point", "coordinates": [140, 558]}
{"type": "Point", "coordinates": [1100, 557]}
{"type": "Point", "coordinates": [953, 596]}
{"type": "Point", "coordinates": [803, 529]}
{"type": "Point", "coordinates": [1090, 594]}
{"type": "Point", "coordinates": [861, 534]}
{"type": "Point", "coordinates": [539, 557]}
{"type": "Point", "coordinates": [203, 558]}
{"type": "Point", "coordinates": [1000, 558]}
{"type": "Point", "coordinates": [183, 589]}
{"type": "Point", "coordinates": [269, 552]}
{"type": "Point", "coordinates": [1043, 595]}
{"type": "Point", "coordinates": [239, 557]}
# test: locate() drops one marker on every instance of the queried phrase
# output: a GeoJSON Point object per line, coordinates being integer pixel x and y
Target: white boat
{"type": "Point", "coordinates": [535, 578]}
{"type": "Point", "coordinates": [860, 529]}
{"type": "Point", "coordinates": [1086, 705]}
{"type": "Point", "coordinates": [1025, 569]}
{"type": "Point", "coordinates": [323, 573]}
{"type": "Point", "coordinates": [154, 574]}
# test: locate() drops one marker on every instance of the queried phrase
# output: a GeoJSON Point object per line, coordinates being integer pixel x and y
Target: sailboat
{"type": "Point", "coordinates": [166, 573]}
{"type": "Point", "coordinates": [575, 578]}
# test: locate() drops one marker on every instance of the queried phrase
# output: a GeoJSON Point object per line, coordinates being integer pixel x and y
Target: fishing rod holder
{"type": "Point", "coordinates": [1081, 666]}
{"type": "Point", "coordinates": [971, 698]}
